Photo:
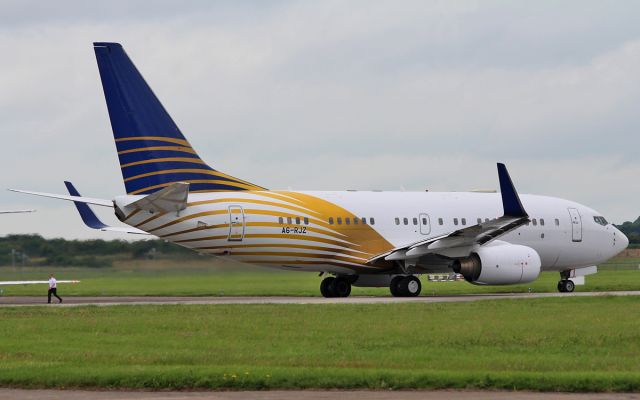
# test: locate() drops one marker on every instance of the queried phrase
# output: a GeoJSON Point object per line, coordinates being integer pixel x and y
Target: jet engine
{"type": "Point", "coordinates": [502, 264]}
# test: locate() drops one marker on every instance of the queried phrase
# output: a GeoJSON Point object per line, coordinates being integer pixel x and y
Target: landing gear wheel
{"type": "Point", "coordinates": [340, 287]}
{"type": "Point", "coordinates": [411, 286]}
{"type": "Point", "coordinates": [326, 287]}
{"type": "Point", "coordinates": [566, 286]}
{"type": "Point", "coordinates": [569, 286]}
{"type": "Point", "coordinates": [394, 286]}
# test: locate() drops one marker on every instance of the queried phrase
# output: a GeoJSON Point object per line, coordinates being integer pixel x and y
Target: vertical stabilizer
{"type": "Point", "coordinates": [152, 151]}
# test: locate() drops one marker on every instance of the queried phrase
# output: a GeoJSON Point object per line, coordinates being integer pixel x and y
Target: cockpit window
{"type": "Point", "coordinates": [601, 221]}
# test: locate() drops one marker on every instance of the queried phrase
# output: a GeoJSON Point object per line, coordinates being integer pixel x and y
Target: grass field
{"type": "Point", "coordinates": [568, 344]}
{"type": "Point", "coordinates": [211, 278]}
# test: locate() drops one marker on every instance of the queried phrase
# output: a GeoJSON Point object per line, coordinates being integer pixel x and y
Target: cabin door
{"type": "Point", "coordinates": [576, 225]}
{"type": "Point", "coordinates": [236, 223]}
{"type": "Point", "coordinates": [425, 224]}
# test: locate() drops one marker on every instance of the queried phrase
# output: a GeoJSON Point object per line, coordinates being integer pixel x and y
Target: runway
{"type": "Point", "coordinates": [7, 394]}
{"type": "Point", "coordinates": [14, 301]}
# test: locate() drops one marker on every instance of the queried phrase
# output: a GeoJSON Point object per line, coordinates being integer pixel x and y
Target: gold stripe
{"type": "Point", "coordinates": [158, 138]}
{"type": "Point", "coordinates": [297, 254]}
{"type": "Point", "coordinates": [166, 148]}
{"type": "Point", "coordinates": [137, 210]}
{"type": "Point", "coordinates": [213, 181]}
{"type": "Point", "coordinates": [231, 247]}
{"type": "Point", "coordinates": [188, 217]}
{"type": "Point", "coordinates": [361, 267]}
{"type": "Point", "coordinates": [168, 159]}
{"type": "Point", "coordinates": [152, 218]}
{"type": "Point", "coordinates": [177, 171]}
{"type": "Point", "coordinates": [270, 236]}
{"type": "Point", "coordinates": [253, 201]}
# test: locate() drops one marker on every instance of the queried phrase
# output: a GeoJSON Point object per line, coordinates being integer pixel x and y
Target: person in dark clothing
{"type": "Point", "coordinates": [53, 288]}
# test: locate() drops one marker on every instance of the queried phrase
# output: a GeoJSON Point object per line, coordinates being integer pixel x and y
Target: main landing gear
{"type": "Point", "coordinates": [566, 285]}
{"type": "Point", "coordinates": [335, 287]}
{"type": "Point", "coordinates": [405, 286]}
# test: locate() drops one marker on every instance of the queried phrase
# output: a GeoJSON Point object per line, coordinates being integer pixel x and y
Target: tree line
{"type": "Point", "coordinates": [37, 251]}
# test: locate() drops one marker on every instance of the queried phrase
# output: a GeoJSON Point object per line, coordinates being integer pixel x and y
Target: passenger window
{"type": "Point", "coordinates": [280, 220]}
{"type": "Point", "coordinates": [339, 219]}
{"type": "Point", "coordinates": [330, 220]}
{"type": "Point", "coordinates": [297, 220]}
{"type": "Point", "coordinates": [405, 220]}
{"type": "Point", "coordinates": [440, 222]}
{"type": "Point", "coordinates": [557, 222]}
{"type": "Point", "coordinates": [347, 221]}
{"type": "Point", "coordinates": [289, 220]}
{"type": "Point", "coordinates": [415, 221]}
{"type": "Point", "coordinates": [464, 221]}
{"type": "Point", "coordinates": [372, 221]}
{"type": "Point", "coordinates": [356, 220]}
{"type": "Point", "coordinates": [424, 221]}
{"type": "Point", "coordinates": [535, 222]}
{"type": "Point", "coordinates": [541, 221]}
{"type": "Point", "coordinates": [397, 221]}
{"type": "Point", "coordinates": [306, 221]}
{"type": "Point", "coordinates": [455, 221]}
{"type": "Point", "coordinates": [364, 220]}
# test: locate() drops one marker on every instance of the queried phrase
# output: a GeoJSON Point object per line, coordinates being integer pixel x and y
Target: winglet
{"type": "Point", "coordinates": [510, 199]}
{"type": "Point", "coordinates": [88, 216]}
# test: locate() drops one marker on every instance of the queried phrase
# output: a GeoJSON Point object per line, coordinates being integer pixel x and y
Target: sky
{"type": "Point", "coordinates": [330, 95]}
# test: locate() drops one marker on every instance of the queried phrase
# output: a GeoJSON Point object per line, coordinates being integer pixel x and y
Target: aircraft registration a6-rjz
{"type": "Point", "coordinates": [358, 238]}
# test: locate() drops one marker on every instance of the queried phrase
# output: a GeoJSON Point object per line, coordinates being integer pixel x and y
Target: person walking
{"type": "Point", "coordinates": [53, 288]}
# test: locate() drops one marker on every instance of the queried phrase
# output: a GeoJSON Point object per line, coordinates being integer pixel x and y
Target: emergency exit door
{"type": "Point", "coordinates": [236, 223]}
{"type": "Point", "coordinates": [576, 225]}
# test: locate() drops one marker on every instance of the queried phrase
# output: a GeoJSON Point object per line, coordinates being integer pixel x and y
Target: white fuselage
{"type": "Point", "coordinates": [316, 231]}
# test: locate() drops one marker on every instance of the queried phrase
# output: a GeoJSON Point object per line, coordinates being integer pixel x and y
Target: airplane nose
{"type": "Point", "coordinates": [620, 240]}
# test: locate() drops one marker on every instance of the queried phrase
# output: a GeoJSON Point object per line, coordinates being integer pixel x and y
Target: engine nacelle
{"type": "Point", "coordinates": [504, 264]}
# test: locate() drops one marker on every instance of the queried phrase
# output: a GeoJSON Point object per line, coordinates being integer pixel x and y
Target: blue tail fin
{"type": "Point", "coordinates": [153, 152]}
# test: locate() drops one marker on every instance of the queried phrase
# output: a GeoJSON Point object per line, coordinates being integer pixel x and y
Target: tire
{"type": "Point", "coordinates": [561, 286]}
{"type": "Point", "coordinates": [326, 287]}
{"type": "Point", "coordinates": [411, 286]}
{"type": "Point", "coordinates": [340, 287]}
{"type": "Point", "coordinates": [394, 286]}
{"type": "Point", "coordinates": [569, 286]}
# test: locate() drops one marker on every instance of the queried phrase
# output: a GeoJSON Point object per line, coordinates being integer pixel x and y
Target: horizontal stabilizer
{"type": "Point", "coordinates": [91, 219]}
{"type": "Point", "coordinates": [87, 200]}
{"type": "Point", "coordinates": [171, 198]}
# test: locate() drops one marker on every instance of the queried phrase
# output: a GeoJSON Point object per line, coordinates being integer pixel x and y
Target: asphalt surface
{"type": "Point", "coordinates": [6, 394]}
{"type": "Point", "coordinates": [144, 300]}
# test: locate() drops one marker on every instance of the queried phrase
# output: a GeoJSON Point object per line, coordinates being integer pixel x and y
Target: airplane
{"type": "Point", "coordinates": [356, 238]}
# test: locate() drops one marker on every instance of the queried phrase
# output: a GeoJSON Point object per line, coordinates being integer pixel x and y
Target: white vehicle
{"type": "Point", "coordinates": [360, 238]}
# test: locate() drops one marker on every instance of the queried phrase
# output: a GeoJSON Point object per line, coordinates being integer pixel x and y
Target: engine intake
{"type": "Point", "coordinates": [503, 264]}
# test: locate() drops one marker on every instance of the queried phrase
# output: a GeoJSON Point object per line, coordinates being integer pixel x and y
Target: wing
{"type": "Point", "coordinates": [8, 283]}
{"type": "Point", "coordinates": [459, 243]}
